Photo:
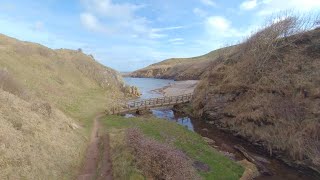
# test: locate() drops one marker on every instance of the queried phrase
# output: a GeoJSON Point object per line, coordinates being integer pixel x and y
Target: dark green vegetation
{"type": "Point", "coordinates": [169, 133]}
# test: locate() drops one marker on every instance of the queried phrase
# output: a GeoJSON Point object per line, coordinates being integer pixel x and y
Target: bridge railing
{"type": "Point", "coordinates": [151, 103]}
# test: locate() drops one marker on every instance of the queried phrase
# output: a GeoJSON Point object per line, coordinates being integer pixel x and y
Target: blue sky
{"type": "Point", "coordinates": [130, 34]}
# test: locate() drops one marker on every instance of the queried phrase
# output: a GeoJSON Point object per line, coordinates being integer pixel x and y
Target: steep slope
{"type": "Point", "coordinates": [268, 91]}
{"type": "Point", "coordinates": [182, 68]}
{"type": "Point", "coordinates": [37, 141]}
{"type": "Point", "coordinates": [48, 99]}
{"type": "Point", "coordinates": [69, 79]}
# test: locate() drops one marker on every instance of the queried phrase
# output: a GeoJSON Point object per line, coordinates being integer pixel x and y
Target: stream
{"type": "Point", "coordinates": [224, 141]}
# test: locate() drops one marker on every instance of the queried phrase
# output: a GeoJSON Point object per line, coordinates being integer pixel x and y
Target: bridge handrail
{"type": "Point", "coordinates": [152, 102]}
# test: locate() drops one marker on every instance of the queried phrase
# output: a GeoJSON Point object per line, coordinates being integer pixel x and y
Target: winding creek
{"type": "Point", "coordinates": [223, 141]}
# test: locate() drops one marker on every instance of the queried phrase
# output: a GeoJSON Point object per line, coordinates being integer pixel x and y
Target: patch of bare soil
{"type": "Point", "coordinates": [94, 156]}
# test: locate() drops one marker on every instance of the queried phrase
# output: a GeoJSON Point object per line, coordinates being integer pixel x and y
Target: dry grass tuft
{"type": "Point", "coordinates": [157, 160]}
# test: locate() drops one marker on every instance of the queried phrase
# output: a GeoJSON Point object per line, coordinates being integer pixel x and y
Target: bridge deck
{"type": "Point", "coordinates": [151, 103]}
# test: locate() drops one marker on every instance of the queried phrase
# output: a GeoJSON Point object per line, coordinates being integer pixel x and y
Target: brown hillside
{"type": "Point", "coordinates": [69, 79]}
{"type": "Point", "coordinates": [181, 68]}
{"type": "Point", "coordinates": [48, 99]}
{"type": "Point", "coordinates": [269, 91]}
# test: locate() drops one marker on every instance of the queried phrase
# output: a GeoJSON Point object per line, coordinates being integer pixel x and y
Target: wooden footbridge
{"type": "Point", "coordinates": [145, 104]}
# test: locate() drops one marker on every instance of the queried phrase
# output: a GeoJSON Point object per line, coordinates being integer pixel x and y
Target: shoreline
{"type": "Point", "coordinates": [178, 88]}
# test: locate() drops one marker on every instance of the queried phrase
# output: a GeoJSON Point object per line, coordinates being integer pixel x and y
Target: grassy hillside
{"type": "Point", "coordinates": [37, 141]}
{"type": "Point", "coordinates": [269, 91]}
{"type": "Point", "coordinates": [69, 79]}
{"type": "Point", "coordinates": [153, 161]}
{"type": "Point", "coordinates": [47, 101]}
{"type": "Point", "coordinates": [182, 68]}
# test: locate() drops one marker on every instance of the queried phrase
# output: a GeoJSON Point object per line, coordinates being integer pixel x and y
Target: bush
{"type": "Point", "coordinates": [157, 160]}
{"type": "Point", "coordinates": [263, 47]}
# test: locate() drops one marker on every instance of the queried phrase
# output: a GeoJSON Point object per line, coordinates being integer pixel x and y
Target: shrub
{"type": "Point", "coordinates": [157, 160]}
{"type": "Point", "coordinates": [262, 47]}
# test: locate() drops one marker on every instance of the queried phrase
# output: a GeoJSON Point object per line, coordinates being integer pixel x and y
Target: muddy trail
{"type": "Point", "coordinates": [97, 163]}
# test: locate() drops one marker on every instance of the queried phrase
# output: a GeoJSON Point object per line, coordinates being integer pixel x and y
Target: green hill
{"type": "Point", "coordinates": [47, 101]}
{"type": "Point", "coordinates": [182, 68]}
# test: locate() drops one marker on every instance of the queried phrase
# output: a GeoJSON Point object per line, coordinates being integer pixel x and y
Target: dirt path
{"type": "Point", "coordinates": [97, 164]}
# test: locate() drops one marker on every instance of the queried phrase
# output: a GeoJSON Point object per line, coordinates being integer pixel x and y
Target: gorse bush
{"type": "Point", "coordinates": [159, 161]}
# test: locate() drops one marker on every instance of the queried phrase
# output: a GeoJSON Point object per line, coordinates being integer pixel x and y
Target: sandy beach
{"type": "Point", "coordinates": [178, 88]}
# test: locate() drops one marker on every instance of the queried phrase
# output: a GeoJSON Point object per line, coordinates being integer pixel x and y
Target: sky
{"type": "Point", "coordinates": [130, 34]}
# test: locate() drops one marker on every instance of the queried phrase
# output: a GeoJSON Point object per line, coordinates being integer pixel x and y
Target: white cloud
{"type": "Point", "coordinates": [218, 23]}
{"type": "Point", "coordinates": [200, 12]}
{"type": "Point", "coordinates": [120, 18]}
{"type": "Point", "coordinates": [109, 17]}
{"type": "Point", "coordinates": [272, 6]}
{"type": "Point", "coordinates": [248, 4]}
{"type": "Point", "coordinates": [155, 35]}
{"type": "Point", "coordinates": [220, 27]}
{"type": "Point", "coordinates": [110, 9]}
{"type": "Point", "coordinates": [176, 40]}
{"type": "Point", "coordinates": [91, 22]}
{"type": "Point", "coordinates": [38, 26]}
{"type": "Point", "coordinates": [208, 2]}
{"type": "Point", "coordinates": [28, 31]}
{"type": "Point", "coordinates": [167, 28]}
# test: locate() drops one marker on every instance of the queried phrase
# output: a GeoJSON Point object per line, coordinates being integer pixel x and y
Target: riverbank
{"type": "Point", "coordinates": [223, 140]}
{"type": "Point", "coordinates": [209, 163]}
{"type": "Point", "coordinates": [178, 88]}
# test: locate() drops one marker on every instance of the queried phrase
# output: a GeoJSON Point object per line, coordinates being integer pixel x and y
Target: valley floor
{"type": "Point", "coordinates": [97, 163]}
{"type": "Point", "coordinates": [169, 134]}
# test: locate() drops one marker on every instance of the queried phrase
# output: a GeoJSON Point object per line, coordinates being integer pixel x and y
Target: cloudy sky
{"type": "Point", "coordinates": [130, 34]}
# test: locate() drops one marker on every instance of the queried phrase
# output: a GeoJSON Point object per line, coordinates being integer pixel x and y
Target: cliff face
{"type": "Point", "coordinates": [269, 92]}
{"type": "Point", "coordinates": [182, 68]}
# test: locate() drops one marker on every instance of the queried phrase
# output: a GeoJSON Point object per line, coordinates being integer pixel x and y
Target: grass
{"type": "Point", "coordinates": [179, 137]}
{"type": "Point", "coordinates": [268, 90]}
{"type": "Point", "coordinates": [70, 82]}
{"type": "Point", "coordinates": [183, 68]}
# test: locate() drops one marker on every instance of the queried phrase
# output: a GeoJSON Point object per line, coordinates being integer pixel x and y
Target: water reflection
{"type": "Point", "coordinates": [169, 115]}
{"type": "Point", "coordinates": [129, 116]}
{"type": "Point", "coordinates": [147, 85]}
